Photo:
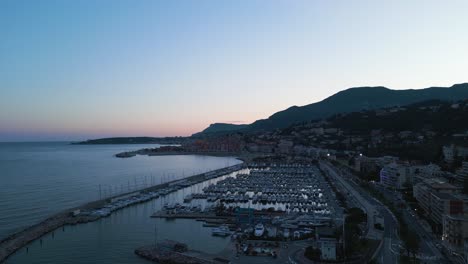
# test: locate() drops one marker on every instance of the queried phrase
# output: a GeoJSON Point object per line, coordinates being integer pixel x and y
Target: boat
{"type": "Point", "coordinates": [188, 198]}
{"type": "Point", "coordinates": [259, 230]}
{"type": "Point", "coordinates": [271, 231]}
{"type": "Point", "coordinates": [168, 206]}
{"type": "Point", "coordinates": [125, 155]}
{"type": "Point", "coordinates": [296, 234]}
{"type": "Point", "coordinates": [222, 231]}
{"type": "Point", "coordinates": [248, 230]}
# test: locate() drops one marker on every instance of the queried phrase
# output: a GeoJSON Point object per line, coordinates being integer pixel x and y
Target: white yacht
{"type": "Point", "coordinates": [259, 230]}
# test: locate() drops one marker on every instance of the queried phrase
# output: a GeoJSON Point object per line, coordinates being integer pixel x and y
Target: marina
{"type": "Point", "coordinates": [290, 188]}
{"type": "Point", "coordinates": [276, 203]}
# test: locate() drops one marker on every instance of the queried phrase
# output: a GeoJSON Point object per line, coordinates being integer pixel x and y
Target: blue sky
{"type": "Point", "coordinates": [73, 70]}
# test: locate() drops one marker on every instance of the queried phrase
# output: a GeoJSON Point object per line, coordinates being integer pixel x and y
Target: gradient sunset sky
{"type": "Point", "coordinates": [73, 70]}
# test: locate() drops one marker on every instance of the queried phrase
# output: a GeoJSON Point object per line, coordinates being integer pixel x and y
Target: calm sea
{"type": "Point", "coordinates": [39, 179]}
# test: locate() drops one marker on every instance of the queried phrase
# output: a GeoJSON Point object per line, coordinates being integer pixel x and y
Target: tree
{"type": "Point", "coordinates": [411, 243]}
{"type": "Point", "coordinates": [312, 253]}
{"type": "Point", "coordinates": [352, 231]}
{"type": "Point", "coordinates": [356, 215]}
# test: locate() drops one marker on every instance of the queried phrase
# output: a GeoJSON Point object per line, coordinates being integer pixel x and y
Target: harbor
{"type": "Point", "coordinates": [285, 196]}
{"type": "Point", "coordinates": [261, 209]}
{"type": "Point", "coordinates": [252, 210]}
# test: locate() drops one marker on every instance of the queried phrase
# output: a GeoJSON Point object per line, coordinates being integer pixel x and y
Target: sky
{"type": "Point", "coordinates": [73, 70]}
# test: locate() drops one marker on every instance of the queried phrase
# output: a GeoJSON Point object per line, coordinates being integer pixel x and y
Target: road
{"type": "Point", "coordinates": [386, 254]}
{"type": "Point", "coordinates": [364, 203]}
{"type": "Point", "coordinates": [429, 253]}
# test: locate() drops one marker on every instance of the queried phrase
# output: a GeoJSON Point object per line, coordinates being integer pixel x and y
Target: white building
{"type": "Point", "coordinates": [395, 176]}
{"type": "Point", "coordinates": [328, 248]}
{"type": "Point", "coordinates": [326, 242]}
{"type": "Point", "coordinates": [437, 198]}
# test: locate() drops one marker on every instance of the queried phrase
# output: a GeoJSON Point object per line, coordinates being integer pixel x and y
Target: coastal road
{"type": "Point", "coordinates": [365, 204]}
{"type": "Point", "coordinates": [386, 254]}
{"type": "Point", "coordinates": [429, 253]}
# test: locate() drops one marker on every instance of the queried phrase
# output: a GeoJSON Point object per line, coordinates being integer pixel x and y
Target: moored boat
{"type": "Point", "coordinates": [259, 230]}
{"type": "Point", "coordinates": [222, 231]}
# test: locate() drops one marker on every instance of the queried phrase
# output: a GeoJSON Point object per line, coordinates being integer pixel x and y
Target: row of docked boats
{"type": "Point", "coordinates": [296, 187]}
{"type": "Point", "coordinates": [224, 230]}
{"type": "Point", "coordinates": [126, 200]}
{"type": "Point", "coordinates": [117, 204]}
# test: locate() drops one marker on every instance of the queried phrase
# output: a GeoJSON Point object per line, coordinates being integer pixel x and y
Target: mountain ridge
{"type": "Point", "coordinates": [351, 100]}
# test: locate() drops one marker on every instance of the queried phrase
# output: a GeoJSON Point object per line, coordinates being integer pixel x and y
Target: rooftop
{"type": "Point", "coordinates": [446, 196]}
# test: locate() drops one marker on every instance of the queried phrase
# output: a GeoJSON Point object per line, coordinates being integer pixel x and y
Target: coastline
{"type": "Point", "coordinates": [21, 239]}
{"type": "Point", "coordinates": [133, 140]}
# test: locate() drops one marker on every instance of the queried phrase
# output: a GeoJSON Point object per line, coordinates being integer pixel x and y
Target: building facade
{"type": "Point", "coordinates": [395, 176]}
{"type": "Point", "coordinates": [437, 197]}
{"type": "Point", "coordinates": [455, 233]}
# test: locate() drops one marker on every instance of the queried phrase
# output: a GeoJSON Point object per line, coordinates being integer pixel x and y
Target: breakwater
{"type": "Point", "coordinates": [244, 156]}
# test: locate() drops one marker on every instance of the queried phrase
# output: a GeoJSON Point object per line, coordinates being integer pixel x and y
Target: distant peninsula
{"type": "Point", "coordinates": [133, 140]}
